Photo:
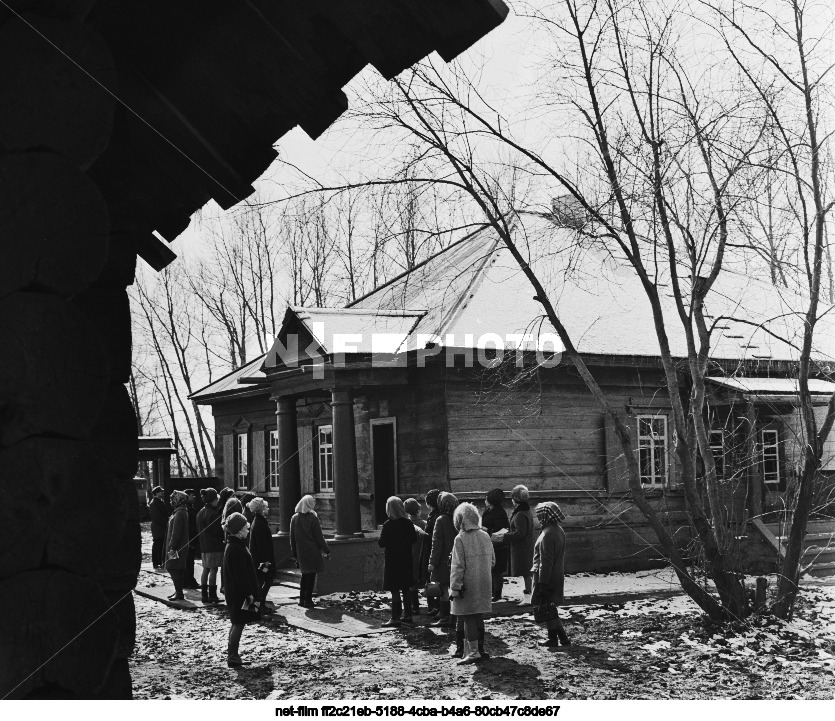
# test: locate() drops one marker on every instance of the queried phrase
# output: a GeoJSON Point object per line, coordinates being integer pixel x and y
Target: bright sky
{"type": "Point", "coordinates": [507, 70]}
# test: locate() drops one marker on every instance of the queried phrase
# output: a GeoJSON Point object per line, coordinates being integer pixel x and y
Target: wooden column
{"type": "Point", "coordinates": [345, 486]}
{"type": "Point", "coordinates": [289, 474]}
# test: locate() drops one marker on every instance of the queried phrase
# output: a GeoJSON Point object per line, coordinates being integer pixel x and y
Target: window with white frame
{"type": "Point", "coordinates": [273, 456]}
{"type": "Point", "coordinates": [242, 461]}
{"type": "Point", "coordinates": [770, 454]}
{"type": "Point", "coordinates": [325, 438]}
{"type": "Point", "coordinates": [717, 447]}
{"type": "Point", "coordinates": [652, 449]}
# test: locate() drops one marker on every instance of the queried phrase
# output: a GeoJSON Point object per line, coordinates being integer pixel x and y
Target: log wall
{"type": "Point", "coordinates": [69, 526]}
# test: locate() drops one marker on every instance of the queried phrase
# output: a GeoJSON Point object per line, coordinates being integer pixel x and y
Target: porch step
{"type": "Point", "coordinates": [288, 577]}
{"type": "Point", "coordinates": [822, 569]}
{"type": "Point", "coordinates": [818, 546]}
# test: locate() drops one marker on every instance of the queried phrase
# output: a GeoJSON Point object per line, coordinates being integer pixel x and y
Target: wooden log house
{"type": "Point", "coordinates": [118, 120]}
{"type": "Point", "coordinates": [332, 411]}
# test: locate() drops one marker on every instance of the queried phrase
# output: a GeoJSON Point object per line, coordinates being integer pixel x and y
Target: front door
{"type": "Point", "coordinates": [384, 460]}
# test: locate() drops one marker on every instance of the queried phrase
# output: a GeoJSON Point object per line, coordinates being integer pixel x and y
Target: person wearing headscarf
{"type": "Point", "coordinates": [176, 544]}
{"type": "Point", "coordinates": [431, 501]}
{"type": "Point", "coordinates": [159, 513]}
{"type": "Point", "coordinates": [261, 545]}
{"type": "Point", "coordinates": [443, 537]}
{"type": "Point", "coordinates": [493, 520]}
{"type": "Point", "coordinates": [211, 544]}
{"type": "Point", "coordinates": [242, 590]}
{"type": "Point", "coordinates": [549, 568]}
{"type": "Point", "coordinates": [413, 512]}
{"type": "Point", "coordinates": [521, 538]}
{"type": "Point", "coordinates": [249, 515]}
{"type": "Point", "coordinates": [308, 546]}
{"type": "Point", "coordinates": [470, 586]}
{"type": "Point", "coordinates": [231, 505]}
{"type": "Point", "coordinates": [397, 536]}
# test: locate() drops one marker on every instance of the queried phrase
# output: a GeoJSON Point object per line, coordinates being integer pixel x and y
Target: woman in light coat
{"type": "Point", "coordinates": [176, 544]}
{"type": "Point", "coordinates": [549, 569]}
{"type": "Point", "coordinates": [521, 538]}
{"type": "Point", "coordinates": [308, 546]}
{"type": "Point", "coordinates": [470, 586]}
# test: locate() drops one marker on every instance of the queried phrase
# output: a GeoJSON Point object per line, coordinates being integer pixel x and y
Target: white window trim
{"type": "Point", "coordinates": [718, 448]}
{"type": "Point", "coordinates": [653, 450]}
{"type": "Point", "coordinates": [273, 459]}
{"type": "Point", "coordinates": [242, 479]}
{"type": "Point", "coordinates": [325, 484]}
{"type": "Point", "coordinates": [776, 446]}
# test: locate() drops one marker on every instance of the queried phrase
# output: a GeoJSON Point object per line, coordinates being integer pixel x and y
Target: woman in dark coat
{"type": "Point", "coordinates": [231, 505]}
{"type": "Point", "coordinates": [396, 538]}
{"type": "Point", "coordinates": [241, 584]}
{"type": "Point", "coordinates": [211, 544]}
{"type": "Point", "coordinates": [308, 546]}
{"type": "Point", "coordinates": [158, 512]}
{"type": "Point", "coordinates": [443, 538]}
{"type": "Point", "coordinates": [261, 545]}
{"type": "Point", "coordinates": [549, 569]}
{"type": "Point", "coordinates": [521, 538]}
{"type": "Point", "coordinates": [493, 520]}
{"type": "Point", "coordinates": [176, 544]}
{"type": "Point", "coordinates": [413, 514]}
{"type": "Point", "coordinates": [431, 501]}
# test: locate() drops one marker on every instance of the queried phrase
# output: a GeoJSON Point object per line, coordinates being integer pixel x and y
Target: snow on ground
{"type": "Point", "coordinates": [657, 646]}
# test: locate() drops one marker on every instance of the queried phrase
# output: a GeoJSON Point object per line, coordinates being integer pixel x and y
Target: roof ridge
{"type": "Point", "coordinates": [458, 307]}
{"type": "Point", "coordinates": [357, 311]}
{"type": "Point", "coordinates": [469, 236]}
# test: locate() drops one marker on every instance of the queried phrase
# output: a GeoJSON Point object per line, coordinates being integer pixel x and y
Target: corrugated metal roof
{"type": "Point", "coordinates": [477, 287]}
{"type": "Point", "coordinates": [230, 380]}
{"type": "Point", "coordinates": [475, 290]}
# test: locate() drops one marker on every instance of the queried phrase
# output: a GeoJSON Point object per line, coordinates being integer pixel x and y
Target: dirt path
{"type": "Point", "coordinates": [648, 649]}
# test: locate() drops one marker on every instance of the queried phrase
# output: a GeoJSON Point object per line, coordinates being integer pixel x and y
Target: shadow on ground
{"type": "Point", "coordinates": [509, 677]}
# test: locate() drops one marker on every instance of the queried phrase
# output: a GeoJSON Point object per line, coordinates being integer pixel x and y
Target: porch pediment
{"type": "Point", "coordinates": [312, 335]}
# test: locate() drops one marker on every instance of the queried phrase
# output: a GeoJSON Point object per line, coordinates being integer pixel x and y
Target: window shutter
{"type": "Point", "coordinates": [257, 469]}
{"type": "Point", "coordinates": [314, 446]}
{"type": "Point", "coordinates": [617, 474]}
{"type": "Point", "coordinates": [229, 460]}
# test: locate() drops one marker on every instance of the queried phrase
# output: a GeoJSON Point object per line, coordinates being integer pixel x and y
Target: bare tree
{"type": "Point", "coordinates": [666, 160]}
{"type": "Point", "coordinates": [166, 320]}
{"type": "Point", "coordinates": [783, 50]}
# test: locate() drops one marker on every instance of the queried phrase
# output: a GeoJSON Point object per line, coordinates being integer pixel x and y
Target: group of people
{"type": "Point", "coordinates": [459, 558]}
{"type": "Point", "coordinates": [462, 558]}
{"type": "Point", "coordinates": [232, 536]}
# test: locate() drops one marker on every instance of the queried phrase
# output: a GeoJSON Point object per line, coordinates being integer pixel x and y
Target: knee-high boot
{"type": "Point", "coordinates": [459, 644]}
{"type": "Point", "coordinates": [481, 651]}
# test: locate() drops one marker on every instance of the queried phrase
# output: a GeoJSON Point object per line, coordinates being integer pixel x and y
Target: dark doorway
{"type": "Point", "coordinates": [384, 453]}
